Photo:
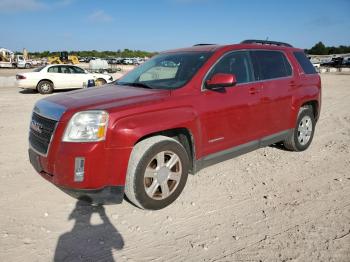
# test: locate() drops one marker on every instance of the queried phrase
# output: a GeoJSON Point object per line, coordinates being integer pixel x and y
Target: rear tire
{"type": "Point", "coordinates": [157, 172]}
{"type": "Point", "coordinates": [45, 87]}
{"type": "Point", "coordinates": [301, 136]}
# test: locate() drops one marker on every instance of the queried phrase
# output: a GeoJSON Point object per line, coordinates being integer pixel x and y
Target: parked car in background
{"type": "Point", "coordinates": [178, 112]}
{"type": "Point", "coordinates": [88, 59]}
{"type": "Point", "coordinates": [138, 61]}
{"type": "Point", "coordinates": [346, 62]}
{"type": "Point", "coordinates": [335, 62]}
{"type": "Point", "coordinates": [127, 61]}
{"type": "Point", "coordinates": [112, 61]}
{"type": "Point", "coordinates": [48, 78]}
{"type": "Point", "coordinates": [119, 60]}
{"type": "Point", "coordinates": [82, 59]}
{"type": "Point", "coordinates": [317, 66]}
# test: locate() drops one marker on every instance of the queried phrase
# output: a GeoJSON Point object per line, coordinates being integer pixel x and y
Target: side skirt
{"type": "Point", "coordinates": [227, 154]}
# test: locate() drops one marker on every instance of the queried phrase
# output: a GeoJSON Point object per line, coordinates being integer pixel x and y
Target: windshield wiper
{"type": "Point", "coordinates": [136, 84]}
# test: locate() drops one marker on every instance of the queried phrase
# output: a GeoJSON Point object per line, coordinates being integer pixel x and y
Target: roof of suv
{"type": "Point", "coordinates": [247, 44]}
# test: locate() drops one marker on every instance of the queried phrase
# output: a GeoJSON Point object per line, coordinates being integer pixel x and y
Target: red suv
{"type": "Point", "coordinates": [178, 112]}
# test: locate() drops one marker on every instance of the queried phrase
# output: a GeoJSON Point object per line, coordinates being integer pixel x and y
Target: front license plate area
{"type": "Point", "coordinates": [35, 161]}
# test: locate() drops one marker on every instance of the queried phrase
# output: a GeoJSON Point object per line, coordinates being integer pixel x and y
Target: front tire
{"type": "Point", "coordinates": [301, 136]}
{"type": "Point", "coordinates": [45, 87]}
{"type": "Point", "coordinates": [100, 82]}
{"type": "Point", "coordinates": [157, 172]}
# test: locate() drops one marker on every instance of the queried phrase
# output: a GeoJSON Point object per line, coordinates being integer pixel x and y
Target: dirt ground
{"type": "Point", "coordinates": [268, 205]}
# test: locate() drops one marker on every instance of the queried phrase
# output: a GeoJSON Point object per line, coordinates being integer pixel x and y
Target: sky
{"type": "Point", "coordinates": [157, 25]}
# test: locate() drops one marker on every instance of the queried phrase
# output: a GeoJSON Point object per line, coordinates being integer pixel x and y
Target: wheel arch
{"type": "Point", "coordinates": [183, 135]}
{"type": "Point", "coordinates": [315, 107]}
{"type": "Point", "coordinates": [41, 80]}
{"type": "Point", "coordinates": [101, 78]}
{"type": "Point", "coordinates": [310, 97]}
{"type": "Point", "coordinates": [102, 81]}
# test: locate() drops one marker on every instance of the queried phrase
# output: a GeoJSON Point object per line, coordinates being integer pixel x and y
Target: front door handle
{"type": "Point", "coordinates": [294, 84]}
{"type": "Point", "coordinates": [253, 90]}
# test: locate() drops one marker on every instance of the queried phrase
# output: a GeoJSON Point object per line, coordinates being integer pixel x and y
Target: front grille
{"type": "Point", "coordinates": [41, 130]}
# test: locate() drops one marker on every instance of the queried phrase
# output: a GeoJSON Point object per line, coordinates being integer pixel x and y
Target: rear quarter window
{"type": "Point", "coordinates": [305, 63]}
{"type": "Point", "coordinates": [270, 64]}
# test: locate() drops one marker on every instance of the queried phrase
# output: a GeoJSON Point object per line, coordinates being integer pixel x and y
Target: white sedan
{"type": "Point", "coordinates": [47, 78]}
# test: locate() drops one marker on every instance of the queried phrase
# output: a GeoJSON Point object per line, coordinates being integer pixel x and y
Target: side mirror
{"type": "Point", "coordinates": [219, 81]}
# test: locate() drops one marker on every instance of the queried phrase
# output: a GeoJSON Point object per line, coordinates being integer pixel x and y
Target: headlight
{"type": "Point", "coordinates": [87, 126]}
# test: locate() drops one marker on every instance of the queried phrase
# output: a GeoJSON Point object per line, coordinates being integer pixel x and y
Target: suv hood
{"type": "Point", "coordinates": [106, 97]}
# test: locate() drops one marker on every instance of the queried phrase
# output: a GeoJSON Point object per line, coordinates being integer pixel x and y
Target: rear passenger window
{"type": "Point", "coordinates": [270, 64]}
{"type": "Point", "coordinates": [236, 63]}
{"type": "Point", "coordinates": [305, 63]}
{"type": "Point", "coordinates": [54, 69]}
{"type": "Point", "coordinates": [67, 70]}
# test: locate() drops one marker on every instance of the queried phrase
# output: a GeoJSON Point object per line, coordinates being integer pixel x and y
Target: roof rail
{"type": "Point", "coordinates": [265, 42]}
{"type": "Point", "coordinates": [203, 44]}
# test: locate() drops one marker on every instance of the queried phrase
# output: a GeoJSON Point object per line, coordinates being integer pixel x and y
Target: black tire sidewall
{"type": "Point", "coordinates": [304, 112]}
{"type": "Point", "coordinates": [140, 193]}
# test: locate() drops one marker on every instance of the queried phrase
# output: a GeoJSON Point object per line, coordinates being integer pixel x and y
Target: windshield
{"type": "Point", "coordinates": [38, 69]}
{"type": "Point", "coordinates": [166, 71]}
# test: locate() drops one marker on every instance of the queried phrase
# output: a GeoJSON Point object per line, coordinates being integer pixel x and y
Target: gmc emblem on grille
{"type": "Point", "coordinates": [36, 126]}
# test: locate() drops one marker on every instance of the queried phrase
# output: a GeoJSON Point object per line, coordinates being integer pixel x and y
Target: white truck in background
{"type": "Point", "coordinates": [8, 59]}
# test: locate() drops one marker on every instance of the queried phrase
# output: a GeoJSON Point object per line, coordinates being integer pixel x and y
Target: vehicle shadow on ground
{"type": "Point", "coordinates": [28, 91]}
{"type": "Point", "coordinates": [279, 146]}
{"type": "Point", "coordinates": [86, 241]}
{"type": "Point", "coordinates": [32, 91]}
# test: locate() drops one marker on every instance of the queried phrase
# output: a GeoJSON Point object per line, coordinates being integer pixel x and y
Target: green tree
{"type": "Point", "coordinates": [100, 54]}
{"type": "Point", "coordinates": [318, 49]}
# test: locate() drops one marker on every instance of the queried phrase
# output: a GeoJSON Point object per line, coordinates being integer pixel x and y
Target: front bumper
{"type": "Point", "coordinates": [104, 177]}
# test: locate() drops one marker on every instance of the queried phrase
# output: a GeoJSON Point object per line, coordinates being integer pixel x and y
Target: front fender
{"type": "Point", "coordinates": [125, 132]}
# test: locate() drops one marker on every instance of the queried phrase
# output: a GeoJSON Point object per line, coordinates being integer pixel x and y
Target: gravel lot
{"type": "Point", "coordinates": [268, 205]}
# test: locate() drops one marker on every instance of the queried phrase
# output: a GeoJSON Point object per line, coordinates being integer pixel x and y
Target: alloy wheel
{"type": "Point", "coordinates": [162, 175]}
{"type": "Point", "coordinates": [304, 130]}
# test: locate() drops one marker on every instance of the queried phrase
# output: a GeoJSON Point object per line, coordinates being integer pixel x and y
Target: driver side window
{"type": "Point", "coordinates": [77, 70]}
{"type": "Point", "coordinates": [235, 63]}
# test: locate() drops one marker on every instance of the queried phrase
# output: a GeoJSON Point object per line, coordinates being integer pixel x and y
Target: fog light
{"type": "Point", "coordinates": [79, 169]}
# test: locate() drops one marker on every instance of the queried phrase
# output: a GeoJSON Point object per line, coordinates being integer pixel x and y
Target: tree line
{"type": "Point", "coordinates": [95, 53]}
{"type": "Point", "coordinates": [321, 49]}
{"type": "Point", "coordinates": [317, 49]}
